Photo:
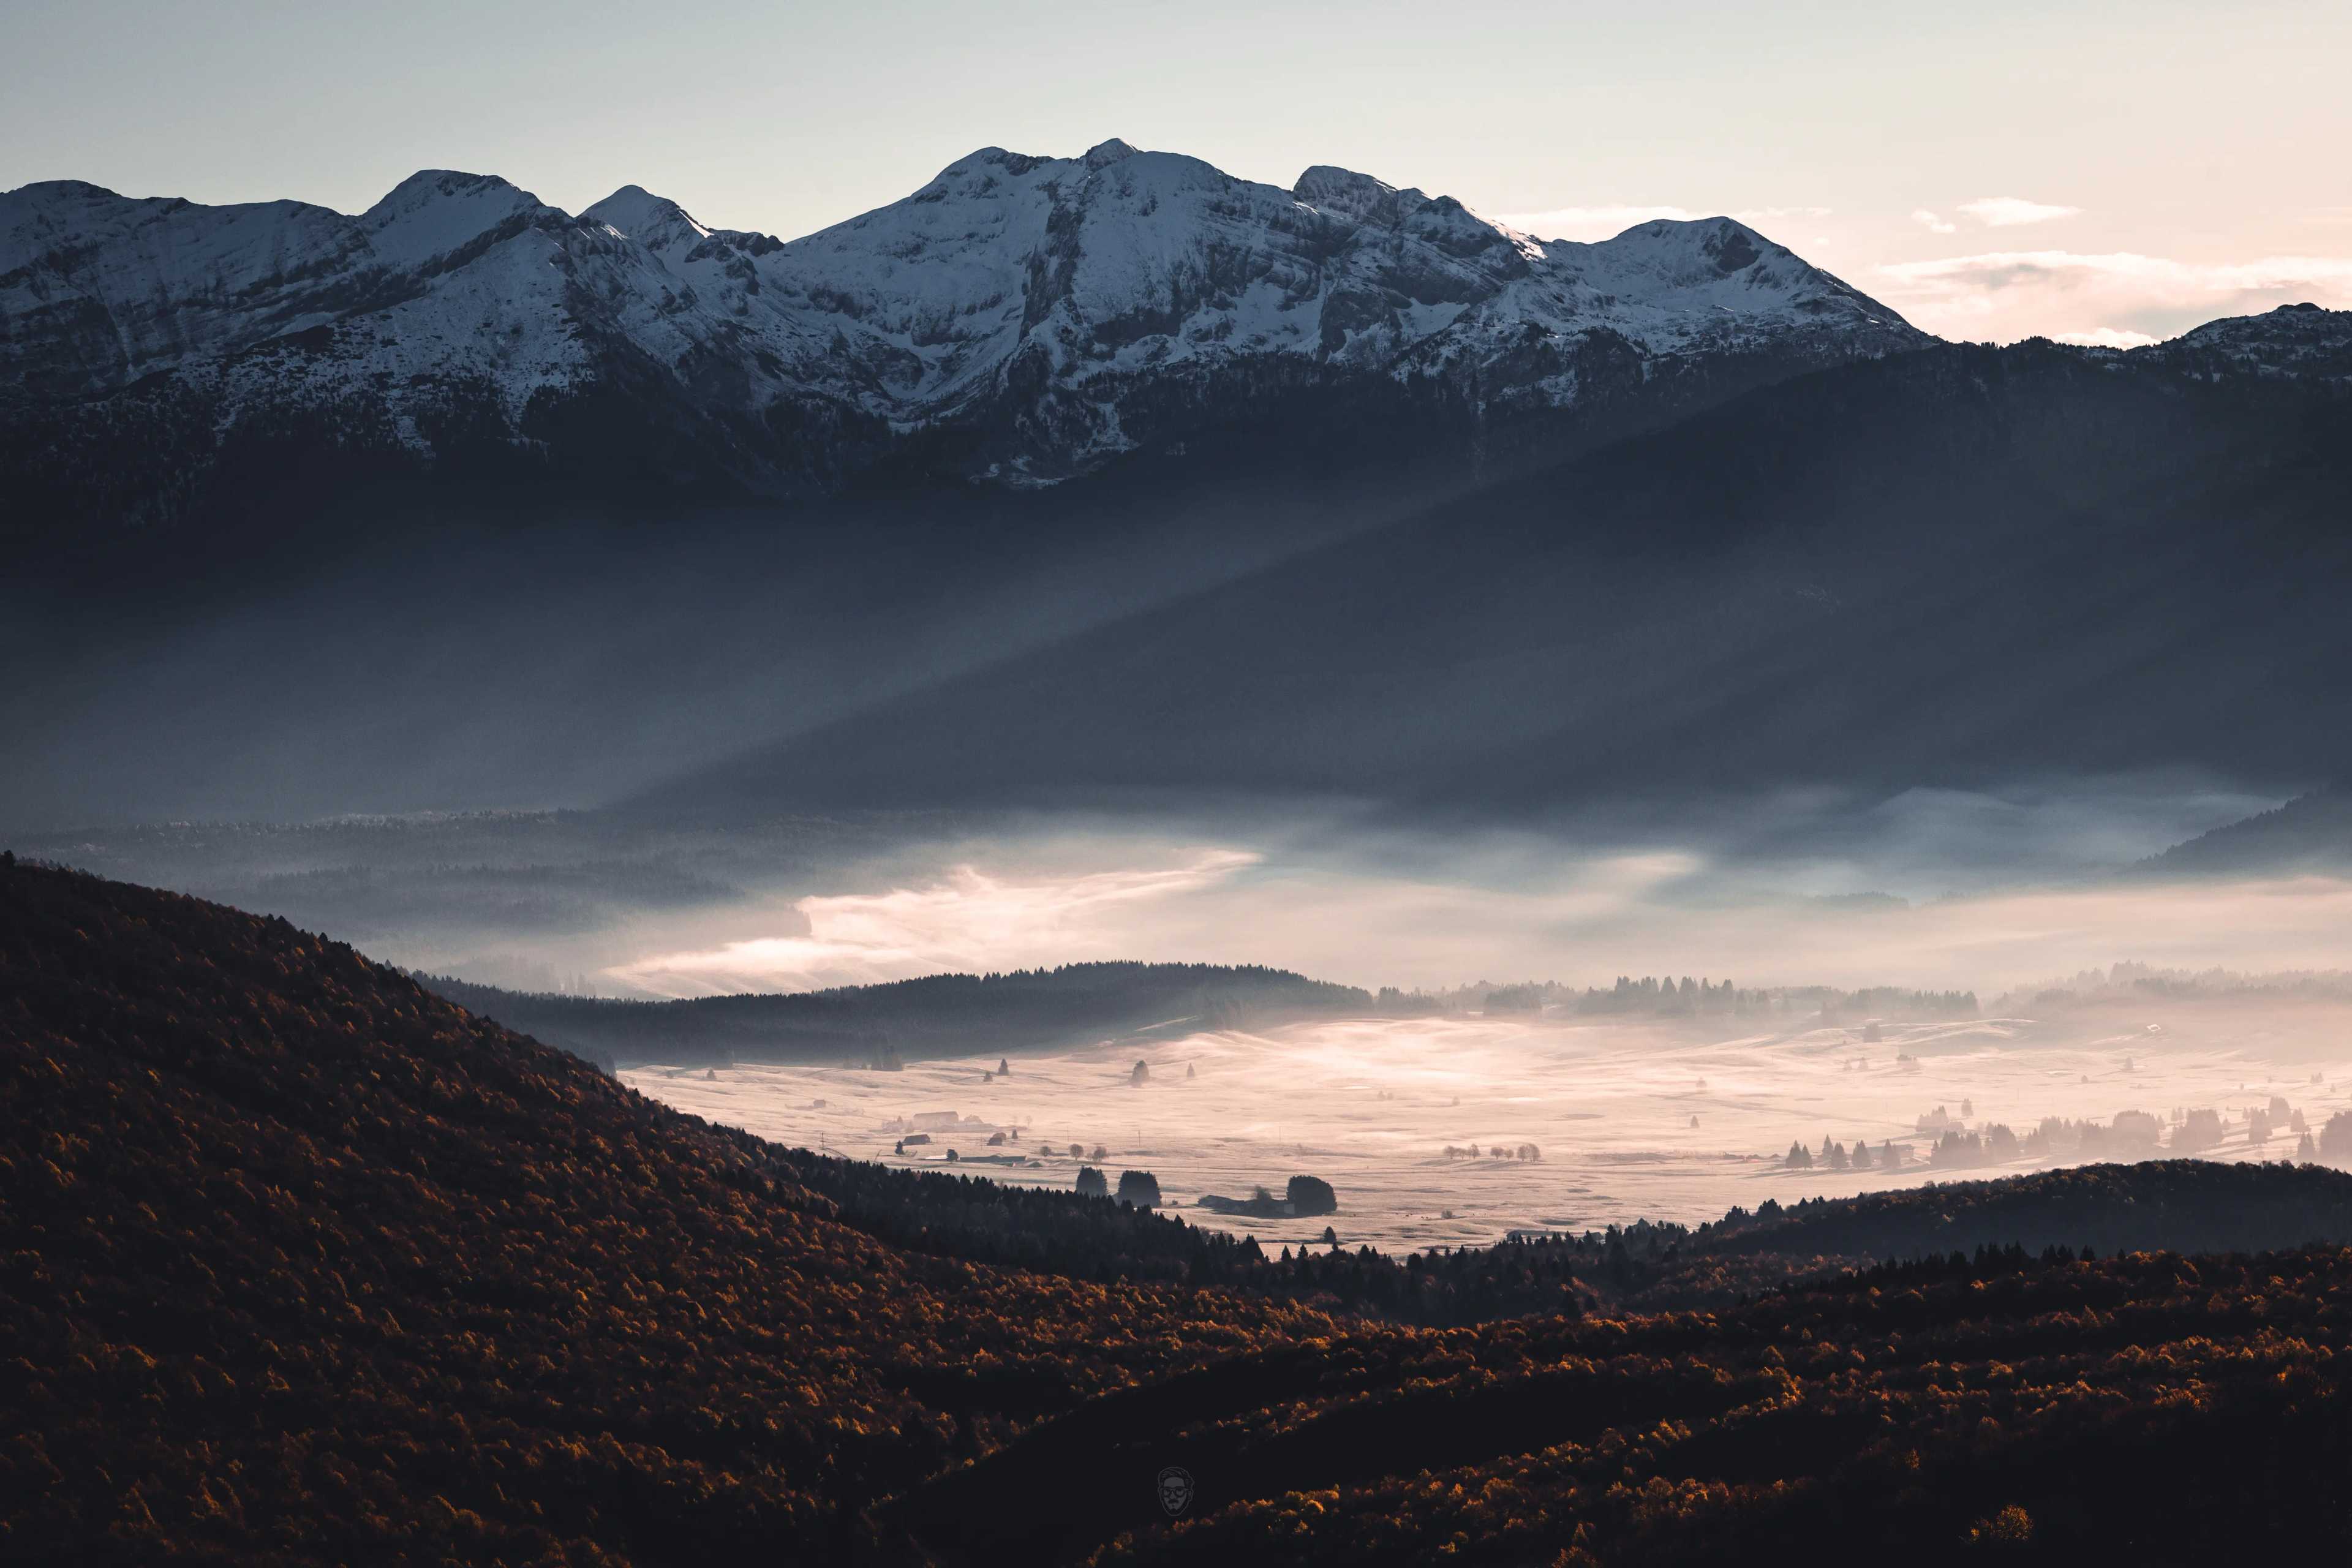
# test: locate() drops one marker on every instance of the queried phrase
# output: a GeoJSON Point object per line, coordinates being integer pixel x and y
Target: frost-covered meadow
{"type": "Point", "coordinates": [1419, 1123]}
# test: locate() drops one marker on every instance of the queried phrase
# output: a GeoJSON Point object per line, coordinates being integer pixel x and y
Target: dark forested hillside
{"type": "Point", "coordinates": [2312, 832]}
{"type": "Point", "coordinates": [301, 1264]}
{"type": "Point", "coordinates": [936, 1015]}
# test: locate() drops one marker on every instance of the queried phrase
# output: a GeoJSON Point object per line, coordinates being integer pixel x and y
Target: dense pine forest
{"type": "Point", "coordinates": [300, 1263]}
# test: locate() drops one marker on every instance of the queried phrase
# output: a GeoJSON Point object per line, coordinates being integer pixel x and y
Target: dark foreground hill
{"type": "Point", "coordinates": [935, 1014]}
{"type": "Point", "coordinates": [301, 1264]}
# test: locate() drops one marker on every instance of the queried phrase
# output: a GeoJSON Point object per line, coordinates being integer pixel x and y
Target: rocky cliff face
{"type": "Point", "coordinates": [1020, 319]}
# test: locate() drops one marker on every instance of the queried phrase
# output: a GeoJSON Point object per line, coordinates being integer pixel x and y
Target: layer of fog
{"type": "Point", "coordinates": [1424, 1126]}
{"type": "Point", "coordinates": [1940, 889]}
{"type": "Point", "coordinates": [1992, 892]}
{"type": "Point", "coordinates": [1936, 889]}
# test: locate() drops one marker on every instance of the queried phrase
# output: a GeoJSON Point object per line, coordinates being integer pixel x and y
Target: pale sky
{"type": "Point", "coordinates": [1994, 170]}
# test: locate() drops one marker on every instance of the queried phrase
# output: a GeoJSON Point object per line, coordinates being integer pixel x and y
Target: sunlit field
{"type": "Point", "coordinates": [1419, 1124]}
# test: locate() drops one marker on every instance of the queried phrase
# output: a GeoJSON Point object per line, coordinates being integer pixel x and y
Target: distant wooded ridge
{"type": "Point", "coordinates": [1651, 994]}
{"type": "Point", "coordinates": [937, 1014]}
{"type": "Point", "coordinates": [880, 1026]}
{"type": "Point", "coordinates": [2311, 833]}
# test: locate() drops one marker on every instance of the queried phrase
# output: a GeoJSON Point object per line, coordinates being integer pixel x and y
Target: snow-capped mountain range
{"type": "Point", "coordinates": [1063, 309]}
{"type": "Point", "coordinates": [1045, 313]}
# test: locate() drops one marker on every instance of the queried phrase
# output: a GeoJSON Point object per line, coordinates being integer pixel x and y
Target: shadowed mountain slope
{"type": "Point", "coordinates": [1954, 564]}
{"type": "Point", "coordinates": [303, 1265]}
{"type": "Point", "coordinates": [2310, 833]}
{"type": "Point", "coordinates": [1936, 567]}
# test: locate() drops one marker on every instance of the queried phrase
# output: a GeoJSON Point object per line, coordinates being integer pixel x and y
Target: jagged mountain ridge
{"type": "Point", "coordinates": [1054, 311]}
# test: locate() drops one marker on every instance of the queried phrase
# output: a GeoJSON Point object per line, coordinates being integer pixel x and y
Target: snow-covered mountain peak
{"type": "Point", "coordinates": [1103, 154]}
{"type": "Point", "coordinates": [70, 223]}
{"type": "Point", "coordinates": [633, 210]}
{"type": "Point", "coordinates": [1694, 248]}
{"type": "Point", "coordinates": [98, 288]}
{"type": "Point", "coordinates": [1328, 188]}
{"type": "Point", "coordinates": [38, 218]}
{"type": "Point", "coordinates": [437, 216]}
{"type": "Point", "coordinates": [56, 197]}
{"type": "Point", "coordinates": [1441, 223]}
{"type": "Point", "coordinates": [1717, 266]}
{"type": "Point", "coordinates": [658, 224]}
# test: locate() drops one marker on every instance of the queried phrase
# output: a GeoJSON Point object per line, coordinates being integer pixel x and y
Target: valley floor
{"type": "Point", "coordinates": [1630, 1119]}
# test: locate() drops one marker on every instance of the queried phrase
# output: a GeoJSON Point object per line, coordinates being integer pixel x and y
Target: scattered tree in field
{"type": "Point", "coordinates": [2198, 1129]}
{"type": "Point", "coordinates": [1139, 1189]}
{"type": "Point", "coordinates": [2335, 1137]}
{"type": "Point", "coordinates": [1310, 1195]}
